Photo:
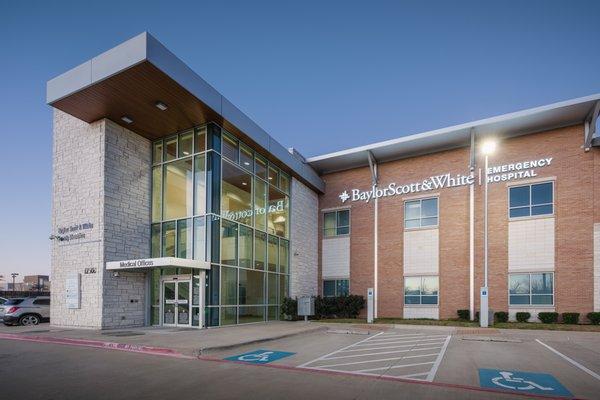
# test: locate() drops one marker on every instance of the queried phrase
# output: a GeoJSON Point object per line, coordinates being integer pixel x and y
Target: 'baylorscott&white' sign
{"type": "Point", "coordinates": [501, 173]}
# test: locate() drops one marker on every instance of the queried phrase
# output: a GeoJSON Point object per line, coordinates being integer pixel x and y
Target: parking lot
{"type": "Point", "coordinates": [518, 363]}
{"type": "Point", "coordinates": [471, 362]}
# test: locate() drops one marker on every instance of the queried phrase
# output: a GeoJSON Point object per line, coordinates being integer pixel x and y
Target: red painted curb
{"type": "Point", "coordinates": [165, 352]}
{"type": "Point", "coordinates": [98, 344]}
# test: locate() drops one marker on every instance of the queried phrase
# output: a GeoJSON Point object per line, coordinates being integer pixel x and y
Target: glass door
{"type": "Point", "coordinates": [176, 303]}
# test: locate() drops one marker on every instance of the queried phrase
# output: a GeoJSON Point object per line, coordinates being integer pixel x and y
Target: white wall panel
{"type": "Point", "coordinates": [336, 257]}
{"type": "Point", "coordinates": [531, 245]}
{"type": "Point", "coordinates": [421, 252]}
{"type": "Point", "coordinates": [422, 312]}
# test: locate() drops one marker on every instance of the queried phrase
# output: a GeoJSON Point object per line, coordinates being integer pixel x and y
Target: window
{"type": "Point", "coordinates": [336, 223]}
{"type": "Point", "coordinates": [420, 213]}
{"type": "Point", "coordinates": [178, 193]}
{"type": "Point", "coordinates": [246, 244]}
{"type": "Point", "coordinates": [230, 148]}
{"type": "Point", "coordinates": [528, 200]}
{"type": "Point", "coordinates": [421, 290]}
{"type": "Point", "coordinates": [277, 216]}
{"type": "Point", "coordinates": [236, 198]}
{"type": "Point", "coordinates": [184, 238]}
{"type": "Point", "coordinates": [185, 144]}
{"type": "Point", "coordinates": [42, 302]}
{"type": "Point", "coordinates": [246, 158]}
{"type": "Point", "coordinates": [531, 289]}
{"type": "Point", "coordinates": [229, 243]}
{"type": "Point", "coordinates": [336, 287]}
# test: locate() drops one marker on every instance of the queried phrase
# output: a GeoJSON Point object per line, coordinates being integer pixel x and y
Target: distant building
{"type": "Point", "coordinates": [3, 283]}
{"type": "Point", "coordinates": [36, 282]}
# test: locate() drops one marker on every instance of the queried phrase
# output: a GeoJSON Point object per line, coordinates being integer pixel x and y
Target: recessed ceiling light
{"type": "Point", "coordinates": [246, 163]}
{"type": "Point", "coordinates": [161, 106]}
{"type": "Point", "coordinates": [270, 178]}
{"type": "Point", "coordinates": [244, 183]}
{"type": "Point", "coordinates": [126, 119]}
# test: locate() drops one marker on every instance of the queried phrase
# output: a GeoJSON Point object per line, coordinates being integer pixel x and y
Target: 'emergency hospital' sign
{"type": "Point", "coordinates": [500, 173]}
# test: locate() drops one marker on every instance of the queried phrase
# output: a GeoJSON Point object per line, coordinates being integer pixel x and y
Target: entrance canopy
{"type": "Point", "coordinates": [161, 262]}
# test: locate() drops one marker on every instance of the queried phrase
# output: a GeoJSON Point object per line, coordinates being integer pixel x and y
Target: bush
{"type": "Point", "coordinates": [338, 307]}
{"type": "Point", "coordinates": [570, 318]}
{"type": "Point", "coordinates": [523, 316]}
{"type": "Point", "coordinates": [477, 316]}
{"type": "Point", "coordinates": [500, 316]}
{"type": "Point", "coordinates": [289, 308]}
{"type": "Point", "coordinates": [548, 317]}
{"type": "Point", "coordinates": [463, 314]}
{"type": "Point", "coordinates": [594, 317]}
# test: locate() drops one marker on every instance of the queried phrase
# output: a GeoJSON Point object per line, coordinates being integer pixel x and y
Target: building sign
{"type": "Point", "coordinates": [145, 263]}
{"type": "Point", "coordinates": [279, 206]}
{"type": "Point", "coordinates": [501, 173]}
{"type": "Point", "coordinates": [72, 286]}
{"type": "Point", "coordinates": [74, 232]}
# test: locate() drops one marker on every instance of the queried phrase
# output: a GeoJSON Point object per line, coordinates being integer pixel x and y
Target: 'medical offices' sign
{"type": "Point", "coordinates": [501, 173]}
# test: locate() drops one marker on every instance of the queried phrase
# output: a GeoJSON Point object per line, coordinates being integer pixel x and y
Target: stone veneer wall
{"type": "Point", "coordinates": [127, 191]}
{"type": "Point", "coordinates": [304, 241]}
{"type": "Point", "coordinates": [101, 174]}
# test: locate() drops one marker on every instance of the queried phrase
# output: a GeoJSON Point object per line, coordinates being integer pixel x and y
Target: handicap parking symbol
{"type": "Point", "coordinates": [520, 381]}
{"type": "Point", "coordinates": [260, 356]}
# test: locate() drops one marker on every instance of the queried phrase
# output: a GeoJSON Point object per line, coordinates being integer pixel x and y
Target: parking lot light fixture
{"type": "Point", "coordinates": [487, 149]}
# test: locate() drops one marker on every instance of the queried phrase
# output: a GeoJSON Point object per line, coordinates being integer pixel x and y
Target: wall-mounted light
{"type": "Point", "coordinates": [126, 119]}
{"type": "Point", "coordinates": [161, 106]}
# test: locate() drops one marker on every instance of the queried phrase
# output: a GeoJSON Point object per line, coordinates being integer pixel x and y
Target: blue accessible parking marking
{"type": "Point", "coordinates": [520, 381]}
{"type": "Point", "coordinates": [260, 356]}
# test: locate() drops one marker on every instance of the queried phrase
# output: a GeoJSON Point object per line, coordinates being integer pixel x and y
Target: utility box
{"type": "Point", "coordinates": [370, 305]}
{"type": "Point", "coordinates": [306, 307]}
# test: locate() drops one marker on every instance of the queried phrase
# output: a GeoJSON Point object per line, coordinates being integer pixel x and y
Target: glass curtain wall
{"type": "Point", "coordinates": [215, 199]}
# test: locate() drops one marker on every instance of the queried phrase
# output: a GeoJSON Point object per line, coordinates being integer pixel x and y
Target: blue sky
{"type": "Point", "coordinates": [319, 76]}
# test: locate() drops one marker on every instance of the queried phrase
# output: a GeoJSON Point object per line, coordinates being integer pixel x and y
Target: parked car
{"type": "Point", "coordinates": [25, 310]}
{"type": "Point", "coordinates": [2, 301]}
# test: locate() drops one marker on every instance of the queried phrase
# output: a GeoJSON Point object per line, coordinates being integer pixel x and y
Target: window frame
{"type": "Point", "coordinates": [337, 227]}
{"type": "Point", "coordinates": [335, 286]}
{"type": "Point", "coordinates": [530, 294]}
{"type": "Point", "coordinates": [530, 205]}
{"type": "Point", "coordinates": [421, 295]}
{"type": "Point", "coordinates": [420, 219]}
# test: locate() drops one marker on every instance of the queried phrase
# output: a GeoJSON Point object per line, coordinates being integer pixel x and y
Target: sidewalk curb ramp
{"type": "Point", "coordinates": [211, 349]}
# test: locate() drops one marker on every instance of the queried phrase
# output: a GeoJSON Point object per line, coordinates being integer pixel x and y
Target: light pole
{"type": "Point", "coordinates": [487, 149]}
{"type": "Point", "coordinates": [14, 275]}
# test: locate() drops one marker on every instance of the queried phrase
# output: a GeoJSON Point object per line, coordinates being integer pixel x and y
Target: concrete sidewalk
{"type": "Point", "coordinates": [187, 341]}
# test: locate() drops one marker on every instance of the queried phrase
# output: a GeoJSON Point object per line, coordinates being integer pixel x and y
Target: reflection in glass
{"type": "Point", "coordinates": [246, 158]}
{"type": "Point", "coordinates": [168, 239]}
{"type": "Point", "coordinates": [228, 315]}
{"type": "Point", "coordinates": [252, 314]}
{"type": "Point", "coordinates": [230, 147]}
{"type": "Point", "coordinates": [200, 139]}
{"type": "Point", "coordinates": [185, 144]}
{"type": "Point", "coordinates": [278, 213]}
{"type": "Point", "coordinates": [343, 222]}
{"type": "Point", "coordinates": [178, 189]}
{"type": "Point", "coordinates": [260, 250]}
{"type": "Point", "coordinates": [170, 152]}
{"type": "Point", "coordinates": [272, 249]}
{"type": "Point", "coordinates": [283, 286]}
{"type": "Point", "coordinates": [260, 167]}
{"type": "Point", "coordinates": [272, 286]}
{"type": "Point", "coordinates": [199, 238]}
{"type": "Point", "coordinates": [229, 242]}
{"type": "Point", "coordinates": [184, 238]}
{"type": "Point", "coordinates": [229, 286]}
{"type": "Point", "coordinates": [157, 152]}
{"type": "Point", "coordinates": [273, 175]}
{"type": "Point", "coordinates": [329, 223]}
{"type": "Point", "coordinates": [260, 204]}
{"type": "Point", "coordinates": [155, 243]}
{"type": "Point", "coordinates": [251, 287]}
{"type": "Point", "coordinates": [284, 182]}
{"type": "Point", "coordinates": [200, 184]}
{"type": "Point", "coordinates": [284, 251]}
{"type": "Point", "coordinates": [328, 288]}
{"type": "Point", "coordinates": [236, 200]}
{"type": "Point", "coordinates": [246, 244]}
{"type": "Point", "coordinates": [156, 193]}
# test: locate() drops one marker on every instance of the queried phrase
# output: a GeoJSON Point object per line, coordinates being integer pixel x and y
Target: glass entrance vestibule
{"type": "Point", "coordinates": [217, 200]}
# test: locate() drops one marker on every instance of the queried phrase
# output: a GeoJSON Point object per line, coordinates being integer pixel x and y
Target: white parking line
{"type": "Point", "coordinates": [575, 363]}
{"type": "Point", "coordinates": [407, 347]}
{"type": "Point", "coordinates": [384, 352]}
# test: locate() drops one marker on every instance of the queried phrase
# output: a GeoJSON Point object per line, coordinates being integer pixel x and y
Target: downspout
{"type": "Point", "coordinates": [472, 231]}
{"type": "Point", "coordinates": [374, 181]}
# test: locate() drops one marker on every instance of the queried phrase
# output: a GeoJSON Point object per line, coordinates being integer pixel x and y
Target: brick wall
{"type": "Point", "coordinates": [575, 186]}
